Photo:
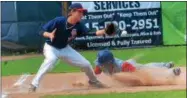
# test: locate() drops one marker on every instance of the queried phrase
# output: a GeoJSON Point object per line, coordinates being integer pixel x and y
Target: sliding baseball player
{"type": "Point", "coordinates": [106, 63]}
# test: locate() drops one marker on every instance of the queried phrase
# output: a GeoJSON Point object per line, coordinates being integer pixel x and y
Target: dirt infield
{"type": "Point", "coordinates": [76, 83]}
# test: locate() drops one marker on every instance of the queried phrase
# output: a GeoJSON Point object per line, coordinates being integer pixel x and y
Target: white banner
{"type": "Point", "coordinates": [100, 6]}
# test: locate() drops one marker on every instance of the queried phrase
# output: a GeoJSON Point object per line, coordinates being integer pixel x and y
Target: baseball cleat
{"type": "Point", "coordinates": [97, 84]}
{"type": "Point", "coordinates": [177, 71]}
{"type": "Point", "coordinates": [169, 65]}
{"type": "Point", "coordinates": [32, 88]}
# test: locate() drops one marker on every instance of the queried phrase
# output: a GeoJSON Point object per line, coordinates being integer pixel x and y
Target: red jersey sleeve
{"type": "Point", "coordinates": [97, 70]}
{"type": "Point", "coordinates": [127, 67]}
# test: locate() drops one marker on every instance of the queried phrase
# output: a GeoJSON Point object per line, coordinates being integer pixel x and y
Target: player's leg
{"type": "Point", "coordinates": [51, 57]}
{"type": "Point", "coordinates": [154, 64]}
{"type": "Point", "coordinates": [168, 65]}
{"type": "Point", "coordinates": [74, 58]}
{"type": "Point", "coordinates": [172, 72]}
{"type": "Point", "coordinates": [161, 64]}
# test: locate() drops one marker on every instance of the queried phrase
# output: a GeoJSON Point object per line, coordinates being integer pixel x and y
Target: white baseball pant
{"type": "Point", "coordinates": [148, 65]}
{"type": "Point", "coordinates": [162, 65]}
{"type": "Point", "coordinates": [69, 55]}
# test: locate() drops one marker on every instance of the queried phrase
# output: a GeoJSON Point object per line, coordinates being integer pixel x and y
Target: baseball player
{"type": "Point", "coordinates": [106, 63]}
{"type": "Point", "coordinates": [58, 33]}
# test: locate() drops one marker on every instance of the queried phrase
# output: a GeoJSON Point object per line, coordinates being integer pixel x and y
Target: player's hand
{"type": "Point", "coordinates": [52, 35]}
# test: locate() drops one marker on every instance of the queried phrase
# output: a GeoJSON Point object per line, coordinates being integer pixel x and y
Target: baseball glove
{"type": "Point", "coordinates": [110, 29]}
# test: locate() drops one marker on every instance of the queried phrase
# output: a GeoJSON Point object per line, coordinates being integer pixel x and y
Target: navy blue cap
{"type": "Point", "coordinates": [105, 57]}
{"type": "Point", "coordinates": [77, 6]}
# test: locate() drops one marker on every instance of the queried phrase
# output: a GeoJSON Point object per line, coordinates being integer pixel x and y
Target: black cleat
{"type": "Point", "coordinates": [97, 84]}
{"type": "Point", "coordinates": [177, 71]}
{"type": "Point", "coordinates": [32, 88]}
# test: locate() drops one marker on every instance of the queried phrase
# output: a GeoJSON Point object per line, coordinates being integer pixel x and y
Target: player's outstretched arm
{"type": "Point", "coordinates": [100, 32]}
{"type": "Point", "coordinates": [109, 30]}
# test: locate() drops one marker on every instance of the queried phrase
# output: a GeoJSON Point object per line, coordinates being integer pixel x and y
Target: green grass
{"type": "Point", "coordinates": [159, 54]}
{"type": "Point", "coordinates": [159, 94]}
{"type": "Point", "coordinates": [174, 22]}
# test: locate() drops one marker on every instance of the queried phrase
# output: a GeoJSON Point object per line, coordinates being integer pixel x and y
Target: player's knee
{"type": "Point", "coordinates": [86, 67]}
{"type": "Point", "coordinates": [87, 64]}
{"type": "Point", "coordinates": [50, 60]}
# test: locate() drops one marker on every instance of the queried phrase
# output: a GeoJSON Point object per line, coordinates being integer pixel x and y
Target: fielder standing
{"type": "Point", "coordinates": [58, 33]}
